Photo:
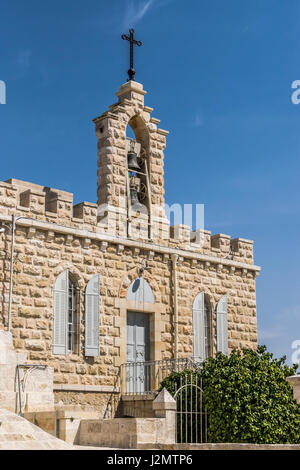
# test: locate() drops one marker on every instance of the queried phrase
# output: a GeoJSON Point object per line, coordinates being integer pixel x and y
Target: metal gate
{"type": "Point", "coordinates": [191, 415]}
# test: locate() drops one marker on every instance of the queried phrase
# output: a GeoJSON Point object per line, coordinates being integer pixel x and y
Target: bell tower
{"type": "Point", "coordinates": [131, 171]}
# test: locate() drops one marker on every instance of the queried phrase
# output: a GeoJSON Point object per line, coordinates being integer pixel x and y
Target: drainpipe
{"type": "Point", "coordinates": [12, 247]}
{"type": "Point", "coordinates": [174, 258]}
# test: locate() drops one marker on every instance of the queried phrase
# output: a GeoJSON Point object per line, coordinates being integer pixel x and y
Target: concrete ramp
{"type": "Point", "coordinates": [17, 433]}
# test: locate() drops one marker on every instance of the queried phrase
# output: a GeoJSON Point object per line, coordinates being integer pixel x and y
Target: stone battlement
{"type": "Point", "coordinates": [54, 206]}
{"type": "Point", "coordinates": [43, 203]}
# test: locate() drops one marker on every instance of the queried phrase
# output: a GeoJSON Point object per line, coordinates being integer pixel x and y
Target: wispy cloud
{"type": "Point", "coordinates": [198, 122]}
{"type": "Point", "coordinates": [265, 335]}
{"type": "Point", "coordinates": [135, 11]}
{"type": "Point", "coordinates": [280, 333]}
{"type": "Point", "coordinates": [132, 12]}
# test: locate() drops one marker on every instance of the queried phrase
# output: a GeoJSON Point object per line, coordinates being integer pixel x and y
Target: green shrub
{"type": "Point", "coordinates": [247, 398]}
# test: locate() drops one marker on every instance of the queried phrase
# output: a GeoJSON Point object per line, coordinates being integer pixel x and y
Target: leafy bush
{"type": "Point", "coordinates": [247, 397]}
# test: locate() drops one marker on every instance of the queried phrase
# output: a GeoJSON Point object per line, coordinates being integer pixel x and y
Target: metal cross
{"type": "Point", "coordinates": [130, 38]}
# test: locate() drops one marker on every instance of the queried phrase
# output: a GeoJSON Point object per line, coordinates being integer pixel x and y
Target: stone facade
{"type": "Point", "coordinates": [52, 235]}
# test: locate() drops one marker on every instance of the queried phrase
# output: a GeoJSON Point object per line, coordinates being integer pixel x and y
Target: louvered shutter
{"type": "Point", "coordinates": [222, 326]}
{"type": "Point", "coordinates": [92, 313]}
{"type": "Point", "coordinates": [60, 314]}
{"type": "Point", "coordinates": [199, 327]}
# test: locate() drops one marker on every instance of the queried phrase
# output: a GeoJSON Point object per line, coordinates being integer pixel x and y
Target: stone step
{"type": "Point", "coordinates": [18, 433]}
{"type": "Point", "coordinates": [39, 401]}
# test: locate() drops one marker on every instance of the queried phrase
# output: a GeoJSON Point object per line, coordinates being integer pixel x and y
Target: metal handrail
{"type": "Point", "coordinates": [29, 367]}
{"type": "Point", "coordinates": [143, 378]}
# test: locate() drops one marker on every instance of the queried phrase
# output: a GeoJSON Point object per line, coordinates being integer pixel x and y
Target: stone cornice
{"type": "Point", "coordinates": [104, 237]}
{"type": "Point", "coordinates": [85, 388]}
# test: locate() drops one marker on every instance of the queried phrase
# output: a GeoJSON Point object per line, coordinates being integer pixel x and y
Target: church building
{"type": "Point", "coordinates": [106, 291]}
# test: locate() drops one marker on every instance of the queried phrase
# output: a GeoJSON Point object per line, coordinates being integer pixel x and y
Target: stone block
{"type": "Point", "coordinates": [33, 199]}
{"type": "Point", "coordinates": [39, 401]}
{"type": "Point", "coordinates": [294, 380]}
{"type": "Point", "coordinates": [8, 400]}
{"type": "Point", "coordinates": [7, 377]}
{"type": "Point", "coordinates": [221, 242]}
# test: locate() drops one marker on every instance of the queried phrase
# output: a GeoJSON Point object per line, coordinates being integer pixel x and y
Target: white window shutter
{"type": "Point", "coordinates": [222, 326]}
{"type": "Point", "coordinates": [60, 302]}
{"type": "Point", "coordinates": [92, 314]}
{"type": "Point", "coordinates": [199, 327]}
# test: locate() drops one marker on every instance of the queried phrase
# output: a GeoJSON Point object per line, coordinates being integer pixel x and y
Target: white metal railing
{"type": "Point", "coordinates": [139, 378]}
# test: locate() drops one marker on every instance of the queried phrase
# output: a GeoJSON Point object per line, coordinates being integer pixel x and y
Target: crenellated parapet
{"type": "Point", "coordinates": [28, 200]}
{"type": "Point", "coordinates": [218, 245]}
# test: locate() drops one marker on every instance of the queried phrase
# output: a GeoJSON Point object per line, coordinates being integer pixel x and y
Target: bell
{"type": "Point", "coordinates": [134, 196]}
{"type": "Point", "coordinates": [132, 161]}
{"type": "Point", "coordinates": [136, 206]}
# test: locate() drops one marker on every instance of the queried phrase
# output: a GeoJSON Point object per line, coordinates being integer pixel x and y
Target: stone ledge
{"type": "Point", "coordinates": [148, 397]}
{"type": "Point", "coordinates": [85, 388]}
{"type": "Point", "coordinates": [131, 86]}
{"type": "Point", "coordinates": [162, 132]}
{"type": "Point", "coordinates": [225, 446]}
{"type": "Point", "coordinates": [294, 380]}
{"type": "Point", "coordinates": [81, 233]}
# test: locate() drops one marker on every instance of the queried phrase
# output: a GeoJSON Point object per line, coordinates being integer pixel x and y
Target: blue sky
{"type": "Point", "coordinates": [218, 74]}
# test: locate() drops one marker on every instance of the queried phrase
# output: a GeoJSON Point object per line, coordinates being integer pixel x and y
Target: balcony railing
{"type": "Point", "coordinates": [139, 378]}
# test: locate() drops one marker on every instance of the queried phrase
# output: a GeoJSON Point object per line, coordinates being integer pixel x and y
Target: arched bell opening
{"type": "Point", "coordinates": [138, 180]}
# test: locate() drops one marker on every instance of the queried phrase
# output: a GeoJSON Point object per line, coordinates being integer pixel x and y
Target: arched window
{"type": "Point", "coordinates": [202, 327]}
{"type": "Point", "coordinates": [140, 291]}
{"type": "Point", "coordinates": [65, 330]}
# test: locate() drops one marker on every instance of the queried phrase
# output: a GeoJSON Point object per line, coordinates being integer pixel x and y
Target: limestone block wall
{"type": "Point", "coordinates": [104, 403]}
{"type": "Point", "coordinates": [126, 433]}
{"type": "Point", "coordinates": [63, 422]}
{"type": "Point", "coordinates": [133, 432]}
{"type": "Point", "coordinates": [138, 406]}
{"type": "Point", "coordinates": [44, 249]}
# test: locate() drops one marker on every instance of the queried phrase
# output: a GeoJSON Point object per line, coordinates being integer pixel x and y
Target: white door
{"type": "Point", "coordinates": [138, 373]}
